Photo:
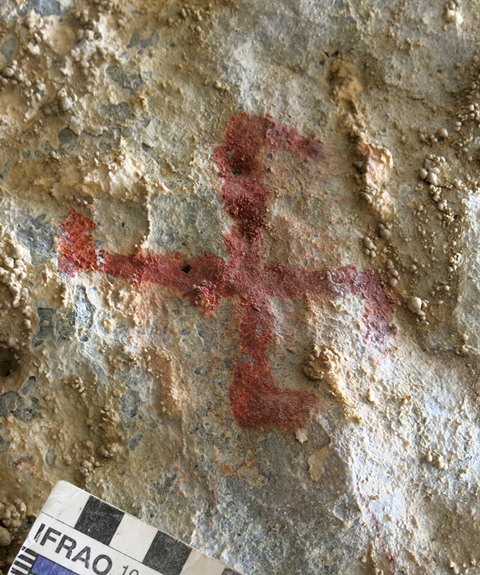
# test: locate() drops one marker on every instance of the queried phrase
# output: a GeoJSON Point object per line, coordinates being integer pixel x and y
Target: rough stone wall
{"type": "Point", "coordinates": [239, 275]}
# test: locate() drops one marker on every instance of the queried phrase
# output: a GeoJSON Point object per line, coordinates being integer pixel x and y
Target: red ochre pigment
{"type": "Point", "coordinates": [256, 400]}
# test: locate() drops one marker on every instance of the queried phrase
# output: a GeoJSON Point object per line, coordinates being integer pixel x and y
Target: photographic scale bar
{"type": "Point", "coordinates": [79, 534]}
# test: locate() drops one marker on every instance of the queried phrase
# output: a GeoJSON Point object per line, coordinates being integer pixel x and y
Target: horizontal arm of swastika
{"type": "Point", "coordinates": [292, 281]}
{"type": "Point", "coordinates": [208, 275]}
{"type": "Point", "coordinates": [78, 253]}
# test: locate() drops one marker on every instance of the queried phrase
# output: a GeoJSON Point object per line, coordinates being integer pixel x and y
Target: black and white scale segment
{"type": "Point", "coordinates": [78, 534]}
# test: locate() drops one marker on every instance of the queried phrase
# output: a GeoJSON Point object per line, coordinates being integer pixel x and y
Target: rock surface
{"type": "Point", "coordinates": [239, 275]}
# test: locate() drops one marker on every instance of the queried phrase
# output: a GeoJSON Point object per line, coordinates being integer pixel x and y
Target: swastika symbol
{"type": "Point", "coordinates": [249, 282]}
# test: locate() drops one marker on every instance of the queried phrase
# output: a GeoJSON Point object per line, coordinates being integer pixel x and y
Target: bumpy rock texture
{"type": "Point", "coordinates": [240, 275]}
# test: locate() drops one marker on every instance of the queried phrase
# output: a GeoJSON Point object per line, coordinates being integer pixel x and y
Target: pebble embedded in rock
{"type": "Point", "coordinates": [5, 537]}
{"type": "Point", "coordinates": [414, 304]}
{"type": "Point", "coordinates": [432, 178]}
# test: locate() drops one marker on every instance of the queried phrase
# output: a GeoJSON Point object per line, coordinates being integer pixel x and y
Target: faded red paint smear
{"type": "Point", "coordinates": [256, 399]}
{"type": "Point", "coordinates": [376, 526]}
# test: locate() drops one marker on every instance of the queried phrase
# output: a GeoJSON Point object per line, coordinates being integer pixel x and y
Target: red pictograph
{"type": "Point", "coordinates": [250, 282]}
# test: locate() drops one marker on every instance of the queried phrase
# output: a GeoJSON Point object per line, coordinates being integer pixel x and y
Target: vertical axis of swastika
{"type": "Point", "coordinates": [245, 278]}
